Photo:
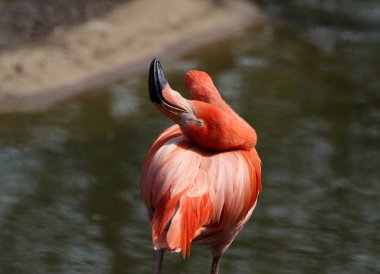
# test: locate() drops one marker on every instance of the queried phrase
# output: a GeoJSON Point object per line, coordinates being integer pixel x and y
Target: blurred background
{"type": "Point", "coordinates": [24, 21]}
{"type": "Point", "coordinates": [308, 81]}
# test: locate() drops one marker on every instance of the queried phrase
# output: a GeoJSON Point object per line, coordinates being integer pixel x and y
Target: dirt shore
{"type": "Point", "coordinates": [114, 46]}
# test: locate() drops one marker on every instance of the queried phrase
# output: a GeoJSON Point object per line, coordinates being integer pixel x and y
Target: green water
{"type": "Point", "coordinates": [309, 83]}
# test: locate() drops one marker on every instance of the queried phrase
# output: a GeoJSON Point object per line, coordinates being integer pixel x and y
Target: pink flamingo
{"type": "Point", "coordinates": [202, 176]}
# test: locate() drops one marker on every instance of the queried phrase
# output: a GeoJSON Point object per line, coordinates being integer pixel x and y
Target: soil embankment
{"type": "Point", "coordinates": [113, 46]}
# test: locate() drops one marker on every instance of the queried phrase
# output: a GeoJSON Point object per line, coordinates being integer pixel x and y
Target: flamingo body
{"type": "Point", "coordinates": [207, 195]}
{"type": "Point", "coordinates": [202, 177]}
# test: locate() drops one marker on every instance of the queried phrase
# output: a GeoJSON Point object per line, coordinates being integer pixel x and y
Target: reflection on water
{"type": "Point", "coordinates": [69, 183]}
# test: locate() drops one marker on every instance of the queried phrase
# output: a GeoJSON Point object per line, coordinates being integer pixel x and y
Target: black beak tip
{"type": "Point", "coordinates": [157, 81]}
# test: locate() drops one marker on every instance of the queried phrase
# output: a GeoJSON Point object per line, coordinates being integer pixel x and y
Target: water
{"type": "Point", "coordinates": [309, 83]}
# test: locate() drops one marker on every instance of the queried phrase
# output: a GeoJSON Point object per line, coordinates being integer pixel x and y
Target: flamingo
{"type": "Point", "coordinates": [202, 176]}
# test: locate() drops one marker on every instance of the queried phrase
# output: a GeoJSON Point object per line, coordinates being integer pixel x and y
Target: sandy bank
{"type": "Point", "coordinates": [112, 47]}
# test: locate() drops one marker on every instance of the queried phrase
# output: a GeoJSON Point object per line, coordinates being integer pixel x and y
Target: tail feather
{"type": "Point", "coordinates": [192, 214]}
{"type": "Point", "coordinates": [162, 216]}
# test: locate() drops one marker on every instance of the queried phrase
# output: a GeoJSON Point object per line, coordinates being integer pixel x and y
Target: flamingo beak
{"type": "Point", "coordinates": [167, 100]}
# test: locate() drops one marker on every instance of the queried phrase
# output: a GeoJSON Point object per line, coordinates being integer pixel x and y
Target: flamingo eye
{"type": "Point", "coordinates": [199, 123]}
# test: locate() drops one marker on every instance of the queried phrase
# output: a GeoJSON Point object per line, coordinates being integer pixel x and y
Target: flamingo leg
{"type": "Point", "coordinates": [159, 258]}
{"type": "Point", "coordinates": [215, 265]}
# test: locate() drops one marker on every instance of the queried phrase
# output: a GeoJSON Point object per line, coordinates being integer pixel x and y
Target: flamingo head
{"type": "Point", "coordinates": [207, 120]}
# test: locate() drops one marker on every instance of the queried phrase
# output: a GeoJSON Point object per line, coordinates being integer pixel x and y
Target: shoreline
{"type": "Point", "coordinates": [114, 46]}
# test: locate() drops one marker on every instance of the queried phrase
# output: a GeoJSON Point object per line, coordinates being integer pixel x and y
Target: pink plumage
{"type": "Point", "coordinates": [201, 179]}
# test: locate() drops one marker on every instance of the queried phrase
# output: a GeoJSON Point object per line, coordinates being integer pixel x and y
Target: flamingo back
{"type": "Point", "coordinates": [197, 195]}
